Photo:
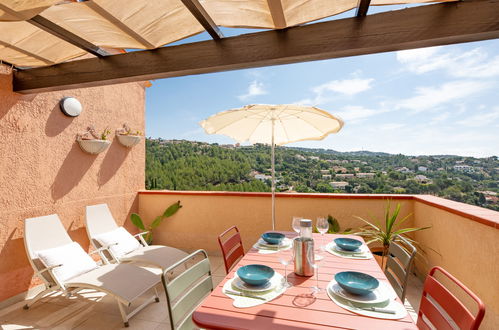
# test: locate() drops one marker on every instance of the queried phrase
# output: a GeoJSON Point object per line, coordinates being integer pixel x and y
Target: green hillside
{"type": "Point", "coordinates": [187, 165]}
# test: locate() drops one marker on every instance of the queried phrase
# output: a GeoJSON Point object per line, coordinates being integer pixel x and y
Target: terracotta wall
{"type": "Point", "coordinates": [467, 249]}
{"type": "Point", "coordinates": [207, 214]}
{"type": "Point", "coordinates": [44, 171]}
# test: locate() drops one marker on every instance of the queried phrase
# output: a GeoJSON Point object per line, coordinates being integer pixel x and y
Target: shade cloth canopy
{"type": "Point", "coordinates": [143, 24]}
{"type": "Point", "coordinates": [274, 125]}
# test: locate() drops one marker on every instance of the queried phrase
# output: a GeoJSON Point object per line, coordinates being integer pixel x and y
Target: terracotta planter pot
{"type": "Point", "coordinates": [378, 255]}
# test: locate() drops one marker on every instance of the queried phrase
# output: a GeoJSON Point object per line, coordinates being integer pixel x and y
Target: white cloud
{"type": "Point", "coordinates": [355, 113]}
{"type": "Point", "coordinates": [428, 98]}
{"type": "Point", "coordinates": [475, 63]}
{"type": "Point", "coordinates": [485, 118]}
{"type": "Point", "coordinates": [325, 92]}
{"type": "Point", "coordinates": [255, 88]}
{"type": "Point", "coordinates": [391, 126]}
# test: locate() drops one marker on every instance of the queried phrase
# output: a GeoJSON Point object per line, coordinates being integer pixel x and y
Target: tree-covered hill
{"type": "Point", "coordinates": [188, 165]}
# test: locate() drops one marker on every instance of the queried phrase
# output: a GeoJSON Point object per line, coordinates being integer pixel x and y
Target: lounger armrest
{"type": "Point", "coordinates": [141, 237]}
{"type": "Point", "coordinates": [49, 269]}
{"type": "Point", "coordinates": [104, 248]}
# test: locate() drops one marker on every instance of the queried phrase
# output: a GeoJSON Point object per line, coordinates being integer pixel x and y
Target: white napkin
{"type": "Point", "coordinates": [244, 302]}
{"type": "Point", "coordinates": [364, 252]}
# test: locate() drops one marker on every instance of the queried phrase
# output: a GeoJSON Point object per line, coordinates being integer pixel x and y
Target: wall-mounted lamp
{"type": "Point", "coordinates": [70, 106]}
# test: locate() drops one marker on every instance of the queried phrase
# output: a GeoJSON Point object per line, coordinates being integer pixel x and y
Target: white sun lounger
{"type": "Point", "coordinates": [124, 282]}
{"type": "Point", "coordinates": [99, 220]}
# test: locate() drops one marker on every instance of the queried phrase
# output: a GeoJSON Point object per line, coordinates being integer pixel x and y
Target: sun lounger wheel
{"type": "Point", "coordinates": [127, 324]}
{"type": "Point", "coordinates": [156, 299]}
{"type": "Point", "coordinates": [26, 306]}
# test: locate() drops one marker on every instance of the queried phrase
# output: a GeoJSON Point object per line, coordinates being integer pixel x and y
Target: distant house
{"type": "Point", "coordinates": [339, 184]}
{"type": "Point", "coordinates": [422, 179]}
{"type": "Point", "coordinates": [339, 169]}
{"type": "Point", "coordinates": [403, 170]}
{"type": "Point", "coordinates": [356, 169]}
{"type": "Point", "coordinates": [327, 176]}
{"type": "Point", "coordinates": [344, 176]}
{"type": "Point", "coordinates": [263, 177]}
{"type": "Point", "coordinates": [313, 157]}
{"type": "Point", "coordinates": [464, 168]}
{"type": "Point", "coordinates": [422, 168]}
{"type": "Point", "coordinates": [300, 157]}
{"type": "Point", "coordinates": [365, 175]}
{"type": "Point", "coordinates": [324, 171]}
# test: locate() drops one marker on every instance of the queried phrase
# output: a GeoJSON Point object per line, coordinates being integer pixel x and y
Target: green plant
{"type": "Point", "coordinates": [137, 220]}
{"type": "Point", "coordinates": [375, 233]}
{"type": "Point", "coordinates": [334, 226]}
{"type": "Point", "coordinates": [105, 133]}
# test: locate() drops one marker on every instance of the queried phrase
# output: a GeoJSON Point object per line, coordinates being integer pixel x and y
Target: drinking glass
{"type": "Point", "coordinates": [322, 227]}
{"type": "Point", "coordinates": [314, 262]}
{"type": "Point", "coordinates": [296, 224]}
{"type": "Point", "coordinates": [285, 258]}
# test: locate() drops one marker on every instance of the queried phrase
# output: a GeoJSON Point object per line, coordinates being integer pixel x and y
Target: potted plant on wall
{"type": "Point", "coordinates": [127, 137]}
{"type": "Point", "coordinates": [382, 236]}
{"type": "Point", "coordinates": [92, 142]}
{"type": "Point", "coordinates": [137, 221]}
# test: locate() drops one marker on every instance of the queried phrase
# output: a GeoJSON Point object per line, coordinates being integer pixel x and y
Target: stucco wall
{"type": "Point", "coordinates": [44, 171]}
{"type": "Point", "coordinates": [205, 215]}
{"type": "Point", "coordinates": [467, 249]}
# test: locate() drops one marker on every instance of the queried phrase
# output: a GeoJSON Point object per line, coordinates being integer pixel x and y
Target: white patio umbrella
{"type": "Point", "coordinates": [274, 125]}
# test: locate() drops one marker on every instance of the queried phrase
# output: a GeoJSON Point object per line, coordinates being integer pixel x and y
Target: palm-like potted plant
{"type": "Point", "coordinates": [137, 221]}
{"type": "Point", "coordinates": [379, 235]}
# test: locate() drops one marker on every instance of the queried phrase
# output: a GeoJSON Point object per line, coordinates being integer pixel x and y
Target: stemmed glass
{"type": "Point", "coordinates": [296, 224]}
{"type": "Point", "coordinates": [322, 226]}
{"type": "Point", "coordinates": [314, 262]}
{"type": "Point", "coordinates": [285, 258]}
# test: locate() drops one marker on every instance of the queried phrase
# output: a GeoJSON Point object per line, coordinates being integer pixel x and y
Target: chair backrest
{"type": "Point", "coordinates": [398, 265]}
{"type": "Point", "coordinates": [187, 290]}
{"type": "Point", "coordinates": [438, 305]}
{"type": "Point", "coordinates": [42, 233]}
{"type": "Point", "coordinates": [98, 220]}
{"type": "Point", "coordinates": [231, 246]}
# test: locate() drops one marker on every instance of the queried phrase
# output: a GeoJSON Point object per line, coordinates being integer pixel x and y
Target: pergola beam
{"type": "Point", "coordinates": [422, 26]}
{"type": "Point", "coordinates": [277, 13]}
{"type": "Point", "coordinates": [198, 11]}
{"type": "Point", "coordinates": [362, 8]}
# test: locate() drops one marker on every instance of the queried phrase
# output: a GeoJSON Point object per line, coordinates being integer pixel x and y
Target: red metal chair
{"type": "Point", "coordinates": [435, 291]}
{"type": "Point", "coordinates": [232, 247]}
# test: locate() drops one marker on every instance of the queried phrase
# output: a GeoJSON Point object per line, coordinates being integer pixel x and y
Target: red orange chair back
{"type": "Point", "coordinates": [435, 292]}
{"type": "Point", "coordinates": [232, 247]}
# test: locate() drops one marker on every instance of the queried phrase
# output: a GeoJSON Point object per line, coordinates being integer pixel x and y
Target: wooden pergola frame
{"type": "Point", "coordinates": [422, 26]}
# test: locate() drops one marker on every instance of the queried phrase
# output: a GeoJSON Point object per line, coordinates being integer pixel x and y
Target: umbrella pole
{"type": "Point", "coordinates": [273, 177]}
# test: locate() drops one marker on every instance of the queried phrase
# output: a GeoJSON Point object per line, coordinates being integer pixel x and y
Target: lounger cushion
{"type": "Point", "coordinates": [74, 260]}
{"type": "Point", "coordinates": [126, 242]}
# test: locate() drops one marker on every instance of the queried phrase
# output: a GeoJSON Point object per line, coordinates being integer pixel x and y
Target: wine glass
{"type": "Point", "coordinates": [285, 258]}
{"type": "Point", "coordinates": [314, 262]}
{"type": "Point", "coordinates": [322, 227]}
{"type": "Point", "coordinates": [296, 224]}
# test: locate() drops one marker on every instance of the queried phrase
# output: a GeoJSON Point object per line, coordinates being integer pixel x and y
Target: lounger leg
{"type": "Point", "coordinates": [124, 315]}
{"type": "Point", "coordinates": [157, 295]}
{"type": "Point", "coordinates": [39, 296]}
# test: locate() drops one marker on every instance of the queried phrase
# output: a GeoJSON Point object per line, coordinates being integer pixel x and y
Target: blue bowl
{"type": "Point", "coordinates": [273, 238]}
{"type": "Point", "coordinates": [356, 283]}
{"type": "Point", "coordinates": [348, 244]}
{"type": "Point", "coordinates": [256, 275]}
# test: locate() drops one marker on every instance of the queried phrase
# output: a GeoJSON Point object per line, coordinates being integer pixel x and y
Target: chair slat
{"type": "Point", "coordinates": [395, 283]}
{"type": "Point", "coordinates": [233, 257]}
{"type": "Point", "coordinates": [189, 302]}
{"type": "Point", "coordinates": [187, 278]}
{"type": "Point", "coordinates": [433, 314]}
{"type": "Point", "coordinates": [396, 268]}
{"type": "Point", "coordinates": [232, 242]}
{"type": "Point", "coordinates": [401, 254]}
{"type": "Point", "coordinates": [453, 306]}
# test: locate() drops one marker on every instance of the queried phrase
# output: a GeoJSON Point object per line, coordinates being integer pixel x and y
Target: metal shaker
{"type": "Point", "coordinates": [303, 248]}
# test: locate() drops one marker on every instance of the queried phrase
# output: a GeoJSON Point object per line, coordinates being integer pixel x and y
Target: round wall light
{"type": "Point", "coordinates": [70, 106]}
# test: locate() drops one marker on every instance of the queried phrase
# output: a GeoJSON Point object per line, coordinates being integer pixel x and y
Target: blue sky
{"type": "Point", "coordinates": [439, 100]}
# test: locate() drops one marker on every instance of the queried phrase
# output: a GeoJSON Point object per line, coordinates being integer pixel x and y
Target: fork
{"type": "Point", "coordinates": [372, 309]}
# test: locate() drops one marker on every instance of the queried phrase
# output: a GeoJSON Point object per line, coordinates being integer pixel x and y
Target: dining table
{"type": "Point", "coordinates": [297, 307]}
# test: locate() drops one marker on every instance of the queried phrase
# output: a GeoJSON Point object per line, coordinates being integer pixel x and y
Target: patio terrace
{"type": "Point", "coordinates": [453, 236]}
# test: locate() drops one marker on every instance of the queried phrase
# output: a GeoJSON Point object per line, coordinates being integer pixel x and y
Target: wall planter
{"type": "Point", "coordinates": [92, 143]}
{"type": "Point", "coordinates": [129, 140]}
{"type": "Point", "coordinates": [127, 137]}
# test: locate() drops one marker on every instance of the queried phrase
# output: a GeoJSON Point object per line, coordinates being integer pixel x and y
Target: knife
{"type": "Point", "coordinates": [379, 310]}
{"type": "Point", "coordinates": [241, 294]}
